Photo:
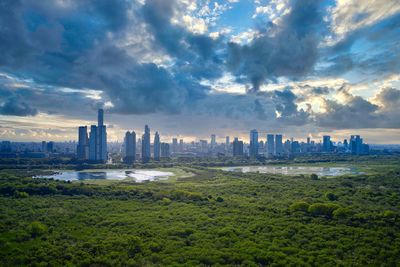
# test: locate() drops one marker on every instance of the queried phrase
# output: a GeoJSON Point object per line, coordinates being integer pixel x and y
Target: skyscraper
{"type": "Point", "coordinates": [326, 144]}
{"type": "Point", "coordinates": [278, 145]}
{"type": "Point", "coordinates": [146, 145]}
{"type": "Point", "coordinates": [213, 143]}
{"type": "Point", "coordinates": [227, 145]}
{"type": "Point", "coordinates": [165, 152]}
{"type": "Point", "coordinates": [237, 147]}
{"type": "Point", "coordinates": [130, 147]}
{"type": "Point", "coordinates": [174, 145]}
{"type": "Point", "coordinates": [98, 139]}
{"type": "Point", "coordinates": [253, 143]}
{"type": "Point", "coordinates": [156, 145]}
{"type": "Point", "coordinates": [270, 145]}
{"type": "Point", "coordinates": [93, 143]}
{"type": "Point", "coordinates": [102, 137]}
{"type": "Point", "coordinates": [356, 145]}
{"type": "Point", "coordinates": [83, 144]}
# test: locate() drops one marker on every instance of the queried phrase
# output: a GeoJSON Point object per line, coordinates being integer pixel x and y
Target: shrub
{"type": "Point", "coordinates": [19, 194]}
{"type": "Point", "coordinates": [314, 176]}
{"type": "Point", "coordinates": [299, 206]}
{"type": "Point", "coordinates": [323, 209]}
{"type": "Point", "coordinates": [134, 246]}
{"type": "Point", "coordinates": [220, 199]}
{"type": "Point", "coordinates": [341, 213]}
{"type": "Point", "coordinates": [37, 229]}
{"type": "Point", "coordinates": [331, 196]}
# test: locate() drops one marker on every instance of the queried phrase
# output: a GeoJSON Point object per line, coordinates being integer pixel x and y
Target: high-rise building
{"type": "Point", "coordinates": [227, 145]}
{"type": "Point", "coordinates": [82, 148]}
{"type": "Point", "coordinates": [181, 145]}
{"type": "Point", "coordinates": [174, 145]}
{"type": "Point", "coordinates": [165, 152]}
{"type": "Point", "coordinates": [237, 147]}
{"type": "Point", "coordinates": [356, 145]}
{"type": "Point", "coordinates": [270, 145]}
{"type": "Point", "coordinates": [326, 144]}
{"type": "Point", "coordinates": [130, 147]}
{"type": "Point", "coordinates": [98, 139]}
{"type": "Point", "coordinates": [253, 152]}
{"type": "Point", "coordinates": [93, 143]}
{"type": "Point", "coordinates": [213, 141]}
{"type": "Point", "coordinates": [278, 145]}
{"type": "Point", "coordinates": [146, 145]}
{"type": "Point", "coordinates": [156, 145]}
{"type": "Point", "coordinates": [102, 137]}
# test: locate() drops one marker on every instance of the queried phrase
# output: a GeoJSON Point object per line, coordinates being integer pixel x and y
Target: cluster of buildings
{"type": "Point", "coordinates": [94, 146]}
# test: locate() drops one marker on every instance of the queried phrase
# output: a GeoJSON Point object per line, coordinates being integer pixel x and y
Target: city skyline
{"type": "Point", "coordinates": [192, 68]}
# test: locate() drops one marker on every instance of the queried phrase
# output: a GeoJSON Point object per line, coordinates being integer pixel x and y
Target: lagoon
{"type": "Point", "coordinates": [295, 170]}
{"type": "Point", "coordinates": [120, 174]}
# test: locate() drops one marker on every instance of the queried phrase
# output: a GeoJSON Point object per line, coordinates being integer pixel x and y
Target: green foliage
{"type": "Point", "coordinates": [182, 223]}
{"type": "Point", "coordinates": [331, 196]}
{"type": "Point", "coordinates": [314, 176]}
{"type": "Point", "coordinates": [342, 213]}
{"type": "Point", "coordinates": [19, 194]}
{"type": "Point", "coordinates": [323, 209]}
{"type": "Point", "coordinates": [299, 206]}
{"type": "Point", "coordinates": [36, 229]}
{"type": "Point", "coordinates": [134, 246]}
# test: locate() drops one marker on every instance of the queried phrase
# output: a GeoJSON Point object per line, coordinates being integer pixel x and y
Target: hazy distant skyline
{"type": "Point", "coordinates": [193, 68]}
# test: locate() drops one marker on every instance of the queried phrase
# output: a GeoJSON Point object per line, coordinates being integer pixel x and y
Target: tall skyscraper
{"type": "Point", "coordinates": [326, 144]}
{"type": "Point", "coordinates": [270, 145]}
{"type": "Point", "coordinates": [253, 143]}
{"type": "Point", "coordinates": [356, 145]}
{"type": "Point", "coordinates": [165, 152]}
{"type": "Point", "coordinates": [102, 137]}
{"type": "Point", "coordinates": [146, 145]}
{"type": "Point", "coordinates": [83, 144]}
{"type": "Point", "coordinates": [93, 143]}
{"type": "Point", "coordinates": [181, 145]}
{"type": "Point", "coordinates": [213, 140]}
{"type": "Point", "coordinates": [278, 145]}
{"type": "Point", "coordinates": [227, 145]}
{"type": "Point", "coordinates": [130, 147]}
{"type": "Point", "coordinates": [98, 139]}
{"type": "Point", "coordinates": [237, 147]}
{"type": "Point", "coordinates": [156, 145]}
{"type": "Point", "coordinates": [174, 145]}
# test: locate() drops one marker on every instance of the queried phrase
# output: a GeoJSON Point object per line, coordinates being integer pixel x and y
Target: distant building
{"type": "Point", "coordinates": [174, 145]}
{"type": "Point", "coordinates": [181, 145]}
{"type": "Point", "coordinates": [270, 145]}
{"type": "Point", "coordinates": [326, 144]}
{"type": "Point", "coordinates": [357, 146]}
{"type": "Point", "coordinates": [237, 147]}
{"type": "Point", "coordinates": [165, 152]}
{"type": "Point", "coordinates": [253, 152]}
{"type": "Point", "coordinates": [82, 148]}
{"type": "Point", "coordinates": [157, 146]}
{"type": "Point", "coordinates": [98, 139]}
{"type": "Point", "coordinates": [130, 147]}
{"type": "Point", "coordinates": [146, 153]}
{"type": "Point", "coordinates": [278, 145]}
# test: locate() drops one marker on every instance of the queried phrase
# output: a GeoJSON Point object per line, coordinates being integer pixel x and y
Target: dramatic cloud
{"type": "Point", "coordinates": [289, 49]}
{"type": "Point", "coordinates": [203, 64]}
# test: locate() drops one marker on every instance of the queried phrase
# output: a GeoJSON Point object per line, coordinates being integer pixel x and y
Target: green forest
{"type": "Point", "coordinates": [212, 218]}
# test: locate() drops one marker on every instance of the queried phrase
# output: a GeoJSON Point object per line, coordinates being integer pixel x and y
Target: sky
{"type": "Point", "coordinates": [194, 68]}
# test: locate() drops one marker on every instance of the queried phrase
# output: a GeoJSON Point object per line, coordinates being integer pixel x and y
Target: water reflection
{"type": "Point", "coordinates": [137, 175]}
{"type": "Point", "coordinates": [294, 170]}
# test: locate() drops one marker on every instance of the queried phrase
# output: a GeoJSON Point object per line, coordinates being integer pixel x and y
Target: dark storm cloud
{"type": "Point", "coordinates": [17, 107]}
{"type": "Point", "coordinates": [195, 53]}
{"type": "Point", "coordinates": [289, 49]}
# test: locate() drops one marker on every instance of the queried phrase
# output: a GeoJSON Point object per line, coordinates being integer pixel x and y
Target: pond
{"type": "Point", "coordinates": [295, 170]}
{"type": "Point", "coordinates": [128, 174]}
